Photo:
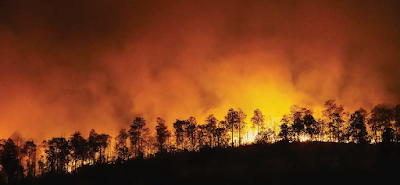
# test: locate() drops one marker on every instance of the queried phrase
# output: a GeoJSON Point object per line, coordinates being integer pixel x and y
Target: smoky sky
{"type": "Point", "coordinates": [75, 65]}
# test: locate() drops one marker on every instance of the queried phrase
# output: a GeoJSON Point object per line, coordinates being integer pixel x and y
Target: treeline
{"type": "Point", "coordinates": [25, 159]}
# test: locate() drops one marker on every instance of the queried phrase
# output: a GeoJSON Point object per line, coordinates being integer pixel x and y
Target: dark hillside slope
{"type": "Point", "coordinates": [296, 163]}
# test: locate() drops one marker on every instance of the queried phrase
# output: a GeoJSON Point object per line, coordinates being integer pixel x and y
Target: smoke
{"type": "Point", "coordinates": [74, 65]}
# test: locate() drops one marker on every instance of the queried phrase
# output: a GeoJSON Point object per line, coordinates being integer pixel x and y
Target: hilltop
{"type": "Point", "coordinates": [281, 163]}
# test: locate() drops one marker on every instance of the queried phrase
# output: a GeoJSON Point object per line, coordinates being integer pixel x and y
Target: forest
{"type": "Point", "coordinates": [301, 139]}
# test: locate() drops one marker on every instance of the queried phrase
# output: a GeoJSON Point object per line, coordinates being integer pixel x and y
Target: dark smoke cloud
{"type": "Point", "coordinates": [77, 65]}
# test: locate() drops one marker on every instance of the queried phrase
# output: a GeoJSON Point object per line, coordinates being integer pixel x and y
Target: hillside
{"type": "Point", "coordinates": [282, 163]}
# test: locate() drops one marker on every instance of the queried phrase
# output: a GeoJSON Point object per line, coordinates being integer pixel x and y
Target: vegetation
{"type": "Point", "coordinates": [23, 161]}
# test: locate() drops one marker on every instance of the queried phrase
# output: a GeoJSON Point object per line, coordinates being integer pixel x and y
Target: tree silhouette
{"type": "Point", "coordinates": [121, 148]}
{"type": "Point", "coordinates": [190, 130]}
{"type": "Point", "coordinates": [335, 114]}
{"type": "Point", "coordinates": [264, 137]}
{"type": "Point", "coordinates": [258, 120]}
{"type": "Point", "coordinates": [202, 136]}
{"type": "Point", "coordinates": [19, 142]}
{"type": "Point", "coordinates": [311, 125]}
{"type": "Point", "coordinates": [58, 154]}
{"type": "Point", "coordinates": [179, 133]}
{"type": "Point", "coordinates": [79, 149]}
{"type": "Point", "coordinates": [381, 117]}
{"type": "Point", "coordinates": [220, 133]}
{"type": "Point", "coordinates": [162, 135]}
{"type": "Point", "coordinates": [104, 141]}
{"type": "Point", "coordinates": [232, 120]}
{"type": "Point", "coordinates": [10, 162]}
{"type": "Point", "coordinates": [30, 151]}
{"type": "Point", "coordinates": [93, 145]}
{"type": "Point", "coordinates": [136, 134]}
{"type": "Point", "coordinates": [387, 135]}
{"type": "Point", "coordinates": [42, 165]}
{"type": "Point", "coordinates": [357, 129]}
{"type": "Point", "coordinates": [241, 124]}
{"type": "Point", "coordinates": [320, 130]}
{"type": "Point", "coordinates": [298, 125]}
{"type": "Point", "coordinates": [396, 120]}
{"type": "Point", "coordinates": [285, 131]}
{"type": "Point", "coordinates": [211, 126]}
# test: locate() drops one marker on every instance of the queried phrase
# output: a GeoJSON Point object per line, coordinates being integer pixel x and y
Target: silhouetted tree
{"type": "Point", "coordinates": [264, 137]}
{"type": "Point", "coordinates": [202, 135]}
{"type": "Point", "coordinates": [211, 126]}
{"type": "Point", "coordinates": [79, 149]}
{"type": "Point", "coordinates": [220, 133]}
{"type": "Point", "coordinates": [396, 120]}
{"type": "Point", "coordinates": [19, 142]}
{"type": "Point", "coordinates": [190, 130]}
{"type": "Point", "coordinates": [103, 142]}
{"type": "Point", "coordinates": [285, 132]}
{"type": "Point", "coordinates": [357, 129]}
{"type": "Point", "coordinates": [58, 154]}
{"type": "Point", "coordinates": [232, 120]}
{"type": "Point", "coordinates": [335, 114]}
{"type": "Point", "coordinates": [241, 124]}
{"type": "Point", "coordinates": [136, 132]}
{"type": "Point", "coordinates": [179, 133]}
{"type": "Point", "coordinates": [30, 152]}
{"type": "Point", "coordinates": [93, 145]}
{"type": "Point", "coordinates": [10, 163]}
{"type": "Point", "coordinates": [162, 135]}
{"type": "Point", "coordinates": [298, 125]}
{"type": "Point", "coordinates": [150, 145]}
{"type": "Point", "coordinates": [311, 126]}
{"type": "Point", "coordinates": [42, 165]}
{"type": "Point", "coordinates": [381, 117]}
{"type": "Point", "coordinates": [121, 147]}
{"type": "Point", "coordinates": [387, 135]}
{"type": "Point", "coordinates": [258, 120]}
{"type": "Point", "coordinates": [320, 130]}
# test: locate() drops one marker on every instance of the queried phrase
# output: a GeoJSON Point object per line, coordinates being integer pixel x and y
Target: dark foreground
{"type": "Point", "coordinates": [296, 163]}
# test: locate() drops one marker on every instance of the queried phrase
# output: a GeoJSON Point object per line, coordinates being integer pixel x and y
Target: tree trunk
{"type": "Point", "coordinates": [232, 136]}
{"type": "Point", "coordinates": [239, 134]}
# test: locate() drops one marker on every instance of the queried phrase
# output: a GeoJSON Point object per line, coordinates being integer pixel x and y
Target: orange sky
{"type": "Point", "coordinates": [67, 66]}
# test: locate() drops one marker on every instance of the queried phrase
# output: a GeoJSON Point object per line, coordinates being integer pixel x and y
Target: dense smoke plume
{"type": "Point", "coordinates": [77, 65]}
